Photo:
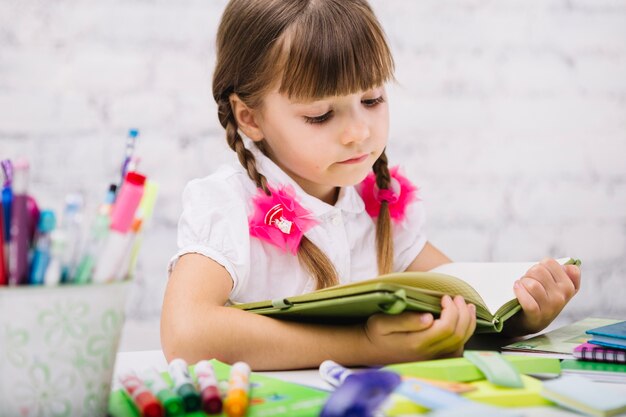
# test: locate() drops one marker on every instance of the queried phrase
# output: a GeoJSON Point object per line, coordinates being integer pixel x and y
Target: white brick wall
{"type": "Point", "coordinates": [511, 115]}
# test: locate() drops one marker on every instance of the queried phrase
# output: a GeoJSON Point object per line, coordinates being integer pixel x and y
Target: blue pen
{"type": "Point", "coordinates": [7, 200]}
{"type": "Point", "coordinates": [41, 254]}
{"type": "Point", "coordinates": [131, 140]}
{"type": "Point", "coordinates": [71, 226]}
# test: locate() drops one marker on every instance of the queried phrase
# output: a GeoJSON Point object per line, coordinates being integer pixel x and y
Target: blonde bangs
{"type": "Point", "coordinates": [333, 50]}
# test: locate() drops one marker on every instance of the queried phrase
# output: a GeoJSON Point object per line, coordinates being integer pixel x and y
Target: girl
{"type": "Point", "coordinates": [304, 82]}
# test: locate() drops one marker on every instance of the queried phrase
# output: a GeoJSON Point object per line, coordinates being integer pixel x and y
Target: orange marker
{"type": "Point", "coordinates": [236, 402]}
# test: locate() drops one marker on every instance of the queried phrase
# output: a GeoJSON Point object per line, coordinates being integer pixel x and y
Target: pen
{"type": "Point", "coordinates": [71, 226]}
{"type": "Point", "coordinates": [236, 401]}
{"type": "Point", "coordinates": [99, 232]}
{"type": "Point", "coordinates": [58, 242]}
{"type": "Point", "coordinates": [183, 385]}
{"type": "Point", "coordinates": [144, 400]}
{"type": "Point", "coordinates": [41, 254]}
{"type": "Point", "coordinates": [18, 245]}
{"type": "Point", "coordinates": [118, 239]}
{"type": "Point", "coordinates": [209, 392]}
{"type": "Point", "coordinates": [7, 200]}
{"type": "Point", "coordinates": [131, 140]}
{"type": "Point", "coordinates": [4, 279]}
{"type": "Point", "coordinates": [172, 403]}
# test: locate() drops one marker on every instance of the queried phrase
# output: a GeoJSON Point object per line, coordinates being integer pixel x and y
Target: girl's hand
{"type": "Point", "coordinates": [543, 292]}
{"type": "Point", "coordinates": [414, 336]}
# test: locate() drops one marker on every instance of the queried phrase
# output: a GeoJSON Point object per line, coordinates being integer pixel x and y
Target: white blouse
{"type": "Point", "coordinates": [214, 223]}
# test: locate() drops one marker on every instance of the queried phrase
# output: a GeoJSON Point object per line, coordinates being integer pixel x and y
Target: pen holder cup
{"type": "Point", "coordinates": [58, 347]}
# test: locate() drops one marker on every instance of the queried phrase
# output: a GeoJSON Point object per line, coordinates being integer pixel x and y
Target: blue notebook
{"type": "Point", "coordinates": [613, 335]}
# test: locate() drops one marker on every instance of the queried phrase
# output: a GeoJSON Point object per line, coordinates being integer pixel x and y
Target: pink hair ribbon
{"type": "Point", "coordinates": [399, 195]}
{"type": "Point", "coordinates": [279, 219]}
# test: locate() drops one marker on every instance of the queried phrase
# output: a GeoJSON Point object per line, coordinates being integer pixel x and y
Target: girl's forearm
{"type": "Point", "coordinates": [230, 335]}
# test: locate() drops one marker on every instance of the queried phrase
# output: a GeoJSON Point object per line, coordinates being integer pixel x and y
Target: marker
{"type": "Point", "coordinates": [236, 401]}
{"type": "Point", "coordinates": [33, 218]}
{"type": "Point", "coordinates": [183, 385]}
{"type": "Point", "coordinates": [333, 373]}
{"type": "Point", "coordinates": [210, 393]}
{"type": "Point", "coordinates": [117, 241]}
{"type": "Point", "coordinates": [99, 232]}
{"type": "Point", "coordinates": [143, 217]}
{"type": "Point", "coordinates": [172, 403]}
{"type": "Point", "coordinates": [41, 254]}
{"type": "Point", "coordinates": [19, 245]}
{"type": "Point", "coordinates": [145, 401]}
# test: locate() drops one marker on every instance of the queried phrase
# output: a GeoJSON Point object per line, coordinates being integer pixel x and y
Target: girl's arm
{"type": "Point", "coordinates": [430, 257]}
{"type": "Point", "coordinates": [195, 325]}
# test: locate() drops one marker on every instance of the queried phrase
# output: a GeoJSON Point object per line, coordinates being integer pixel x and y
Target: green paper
{"type": "Point", "coordinates": [497, 370]}
{"type": "Point", "coordinates": [462, 370]}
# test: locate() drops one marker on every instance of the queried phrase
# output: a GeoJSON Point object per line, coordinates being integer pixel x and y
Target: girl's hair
{"type": "Point", "coordinates": [309, 49]}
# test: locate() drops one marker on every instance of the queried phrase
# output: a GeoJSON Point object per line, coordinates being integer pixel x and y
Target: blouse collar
{"type": "Point", "coordinates": [348, 200]}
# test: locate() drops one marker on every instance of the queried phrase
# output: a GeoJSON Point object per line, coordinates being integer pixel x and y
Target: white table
{"type": "Point", "coordinates": [142, 360]}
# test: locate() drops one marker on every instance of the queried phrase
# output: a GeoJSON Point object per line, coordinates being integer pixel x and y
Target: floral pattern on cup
{"type": "Point", "coordinates": [46, 395]}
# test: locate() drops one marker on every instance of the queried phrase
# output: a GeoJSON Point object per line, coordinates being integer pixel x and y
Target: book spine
{"type": "Point", "coordinates": [600, 355]}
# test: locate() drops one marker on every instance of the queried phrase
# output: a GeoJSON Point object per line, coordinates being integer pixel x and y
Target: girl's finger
{"type": "Point", "coordinates": [401, 323]}
{"type": "Point", "coordinates": [526, 300]}
{"type": "Point", "coordinates": [563, 281]}
{"type": "Point", "coordinates": [574, 274]}
{"type": "Point", "coordinates": [444, 327]}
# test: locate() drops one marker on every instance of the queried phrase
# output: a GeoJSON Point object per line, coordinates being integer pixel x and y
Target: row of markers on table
{"type": "Point", "coordinates": [37, 249]}
{"type": "Point", "coordinates": [153, 396]}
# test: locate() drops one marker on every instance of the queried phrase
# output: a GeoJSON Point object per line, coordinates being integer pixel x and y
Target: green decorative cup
{"type": "Point", "coordinates": [58, 348]}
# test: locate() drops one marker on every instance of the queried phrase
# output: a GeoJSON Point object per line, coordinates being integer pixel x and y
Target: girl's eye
{"type": "Point", "coordinates": [373, 101]}
{"type": "Point", "coordinates": [318, 119]}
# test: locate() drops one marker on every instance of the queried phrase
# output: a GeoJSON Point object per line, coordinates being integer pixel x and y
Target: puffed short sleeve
{"type": "Point", "coordinates": [214, 223]}
{"type": "Point", "coordinates": [408, 237]}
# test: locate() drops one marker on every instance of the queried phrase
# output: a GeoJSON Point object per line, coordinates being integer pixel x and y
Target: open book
{"type": "Point", "coordinates": [489, 286]}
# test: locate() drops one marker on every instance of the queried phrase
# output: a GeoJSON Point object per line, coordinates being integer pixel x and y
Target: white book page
{"type": "Point", "coordinates": [492, 280]}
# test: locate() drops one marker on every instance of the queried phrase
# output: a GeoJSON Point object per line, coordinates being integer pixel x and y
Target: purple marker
{"type": "Point", "coordinates": [18, 245]}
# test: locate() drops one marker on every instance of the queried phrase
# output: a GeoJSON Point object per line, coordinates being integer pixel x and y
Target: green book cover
{"type": "Point", "coordinates": [268, 397]}
{"type": "Point", "coordinates": [489, 286]}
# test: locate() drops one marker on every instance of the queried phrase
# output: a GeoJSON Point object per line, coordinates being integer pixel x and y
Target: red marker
{"type": "Point", "coordinates": [209, 392]}
{"type": "Point", "coordinates": [146, 402]}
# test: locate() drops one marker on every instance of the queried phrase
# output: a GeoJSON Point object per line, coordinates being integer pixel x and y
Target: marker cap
{"type": "Point", "coordinates": [191, 397]}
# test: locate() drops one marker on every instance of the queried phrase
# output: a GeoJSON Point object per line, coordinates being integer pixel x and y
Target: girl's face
{"type": "Point", "coordinates": [328, 143]}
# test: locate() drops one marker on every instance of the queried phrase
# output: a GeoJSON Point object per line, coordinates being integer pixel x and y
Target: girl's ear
{"type": "Point", "coordinates": [246, 118]}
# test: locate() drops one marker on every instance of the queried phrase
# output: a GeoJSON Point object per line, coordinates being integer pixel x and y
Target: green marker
{"type": "Point", "coordinates": [183, 385]}
{"type": "Point", "coordinates": [172, 403]}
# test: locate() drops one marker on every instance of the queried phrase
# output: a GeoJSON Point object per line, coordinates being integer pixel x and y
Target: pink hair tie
{"type": "Point", "coordinates": [279, 219]}
{"type": "Point", "coordinates": [399, 195]}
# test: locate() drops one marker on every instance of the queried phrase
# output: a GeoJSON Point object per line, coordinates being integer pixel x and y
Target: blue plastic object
{"type": "Point", "coordinates": [361, 394]}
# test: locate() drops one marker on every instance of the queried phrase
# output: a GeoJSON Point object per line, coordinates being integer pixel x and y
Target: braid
{"type": "Point", "coordinates": [384, 241]}
{"type": "Point", "coordinates": [309, 255]}
{"type": "Point", "coordinates": [246, 158]}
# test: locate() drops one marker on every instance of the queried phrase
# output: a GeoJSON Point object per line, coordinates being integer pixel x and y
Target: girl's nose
{"type": "Point", "coordinates": [356, 130]}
